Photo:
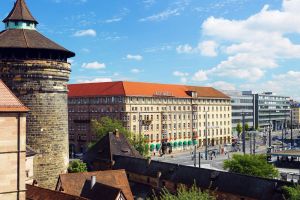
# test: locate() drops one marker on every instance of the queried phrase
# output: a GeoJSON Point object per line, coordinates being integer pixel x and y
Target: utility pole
{"type": "Point", "coordinates": [206, 138]}
{"type": "Point", "coordinates": [199, 159]}
{"type": "Point", "coordinates": [254, 145]}
{"type": "Point", "coordinates": [250, 143]}
{"type": "Point", "coordinates": [195, 156]}
{"type": "Point", "coordinates": [270, 129]}
{"type": "Point", "coordinates": [292, 141]}
{"type": "Point", "coordinates": [244, 134]}
{"type": "Point", "coordinates": [282, 134]}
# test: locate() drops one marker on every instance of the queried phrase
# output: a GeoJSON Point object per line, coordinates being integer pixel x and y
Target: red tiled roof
{"type": "Point", "coordinates": [8, 101]}
{"type": "Point", "coordinates": [124, 88]}
{"type": "Point", "coordinates": [74, 183]}
{"type": "Point", "coordinates": [37, 193]}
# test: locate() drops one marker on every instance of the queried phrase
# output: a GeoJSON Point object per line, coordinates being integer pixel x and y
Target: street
{"type": "Point", "coordinates": [187, 157]}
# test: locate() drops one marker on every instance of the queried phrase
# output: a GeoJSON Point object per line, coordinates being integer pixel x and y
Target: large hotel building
{"type": "Point", "coordinates": [175, 114]}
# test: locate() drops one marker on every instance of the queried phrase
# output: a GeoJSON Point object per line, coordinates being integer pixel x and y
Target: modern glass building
{"type": "Point", "coordinates": [242, 103]}
{"type": "Point", "coordinates": [271, 109]}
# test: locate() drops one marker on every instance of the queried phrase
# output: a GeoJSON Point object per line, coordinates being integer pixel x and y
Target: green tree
{"type": "Point", "coordinates": [77, 166]}
{"type": "Point", "coordinates": [183, 193]}
{"type": "Point", "coordinates": [253, 165]}
{"type": "Point", "coordinates": [141, 145]}
{"type": "Point", "coordinates": [291, 193]}
{"type": "Point", "coordinates": [105, 125]}
{"type": "Point", "coordinates": [239, 129]}
{"type": "Point", "coordinates": [246, 127]}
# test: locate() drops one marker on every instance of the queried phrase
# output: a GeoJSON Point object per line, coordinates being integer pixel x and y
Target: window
{"type": "Point", "coordinates": [16, 23]}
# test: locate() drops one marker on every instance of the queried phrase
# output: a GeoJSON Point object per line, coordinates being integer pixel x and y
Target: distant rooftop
{"type": "Point", "coordinates": [125, 88]}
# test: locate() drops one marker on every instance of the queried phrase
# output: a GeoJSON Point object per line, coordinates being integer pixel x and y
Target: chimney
{"type": "Point", "coordinates": [93, 181]}
{"type": "Point", "coordinates": [149, 161]}
{"type": "Point", "coordinates": [117, 134]}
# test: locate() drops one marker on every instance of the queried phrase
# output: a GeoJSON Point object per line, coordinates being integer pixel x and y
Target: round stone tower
{"type": "Point", "coordinates": [37, 71]}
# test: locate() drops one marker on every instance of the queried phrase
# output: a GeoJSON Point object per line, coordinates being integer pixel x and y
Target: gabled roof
{"type": "Point", "coordinates": [29, 39]}
{"type": "Point", "coordinates": [8, 101]}
{"type": "Point", "coordinates": [20, 12]}
{"type": "Point", "coordinates": [110, 145]}
{"type": "Point", "coordinates": [125, 88]}
{"type": "Point", "coordinates": [225, 182]}
{"type": "Point", "coordinates": [37, 193]}
{"type": "Point", "coordinates": [75, 183]}
{"type": "Point", "coordinates": [100, 191]}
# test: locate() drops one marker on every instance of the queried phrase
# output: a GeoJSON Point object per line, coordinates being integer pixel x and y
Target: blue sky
{"type": "Point", "coordinates": [227, 44]}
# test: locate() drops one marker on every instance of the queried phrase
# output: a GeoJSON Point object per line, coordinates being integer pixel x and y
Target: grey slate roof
{"type": "Point", "coordinates": [108, 146]}
{"type": "Point", "coordinates": [242, 185]}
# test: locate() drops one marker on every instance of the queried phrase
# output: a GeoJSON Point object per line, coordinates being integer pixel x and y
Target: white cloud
{"type": "Point", "coordinates": [254, 45]}
{"type": "Point", "coordinates": [88, 32]}
{"type": "Point", "coordinates": [136, 71]}
{"type": "Point", "coordinates": [208, 48]}
{"type": "Point", "coordinates": [222, 85]}
{"type": "Point", "coordinates": [149, 3]}
{"type": "Point", "coordinates": [186, 48]}
{"type": "Point", "coordinates": [200, 76]}
{"type": "Point", "coordinates": [243, 66]}
{"type": "Point", "coordinates": [95, 80]}
{"type": "Point", "coordinates": [180, 74]}
{"type": "Point", "coordinates": [134, 57]}
{"type": "Point", "coordinates": [85, 50]}
{"type": "Point", "coordinates": [283, 84]}
{"type": "Point", "coordinates": [162, 15]}
{"type": "Point", "coordinates": [112, 20]}
{"type": "Point", "coordinates": [94, 65]}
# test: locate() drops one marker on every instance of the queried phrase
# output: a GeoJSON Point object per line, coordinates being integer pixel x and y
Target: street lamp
{"type": "Point", "coordinates": [243, 134]}
{"type": "Point", "coordinates": [206, 138]}
{"type": "Point", "coordinates": [292, 141]}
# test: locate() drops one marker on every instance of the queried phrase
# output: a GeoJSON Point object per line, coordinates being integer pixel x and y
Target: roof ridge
{"type": "Point", "coordinates": [123, 85]}
{"type": "Point", "coordinates": [25, 38]}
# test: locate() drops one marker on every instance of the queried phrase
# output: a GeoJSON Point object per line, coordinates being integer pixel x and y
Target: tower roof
{"type": "Point", "coordinates": [29, 39]}
{"type": "Point", "coordinates": [20, 12]}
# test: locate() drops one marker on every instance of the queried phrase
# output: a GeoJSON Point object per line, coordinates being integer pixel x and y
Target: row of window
{"type": "Point", "coordinates": [180, 126]}
{"type": "Point", "coordinates": [150, 100]}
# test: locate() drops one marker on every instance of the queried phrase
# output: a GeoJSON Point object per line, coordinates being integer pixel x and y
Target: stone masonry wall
{"type": "Point", "coordinates": [42, 87]}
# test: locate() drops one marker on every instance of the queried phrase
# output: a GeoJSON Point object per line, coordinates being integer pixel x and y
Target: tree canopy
{"type": "Point", "coordinates": [77, 166]}
{"type": "Point", "coordinates": [292, 193]}
{"type": "Point", "coordinates": [247, 127]}
{"type": "Point", "coordinates": [253, 165]}
{"type": "Point", "coordinates": [239, 129]}
{"type": "Point", "coordinates": [183, 193]}
{"type": "Point", "coordinates": [106, 124]}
